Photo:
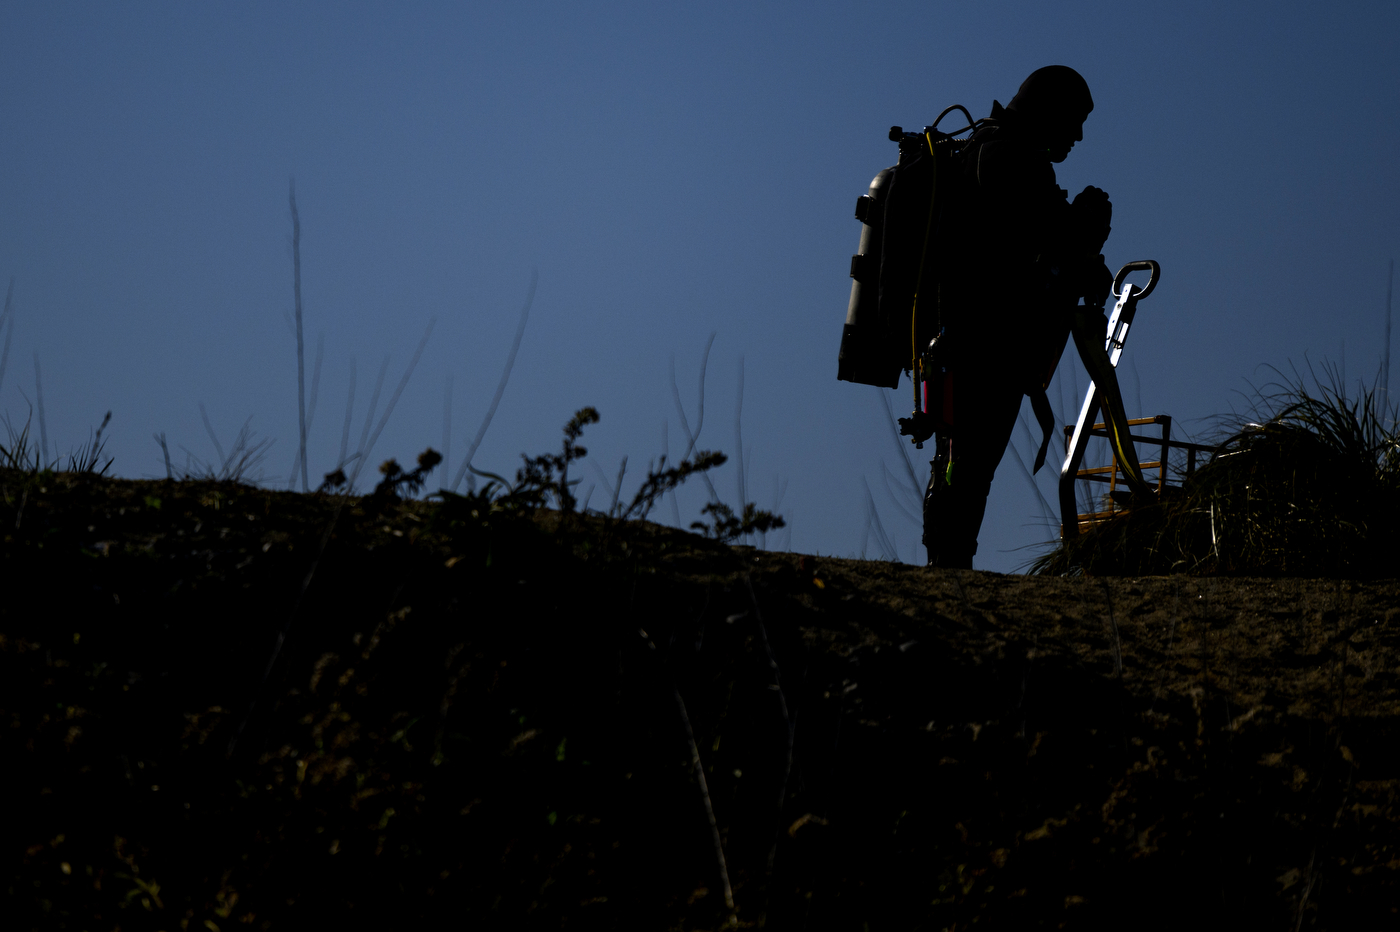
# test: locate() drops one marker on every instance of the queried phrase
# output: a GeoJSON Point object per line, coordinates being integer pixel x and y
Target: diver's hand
{"type": "Point", "coordinates": [1093, 204]}
{"type": "Point", "coordinates": [1093, 215]}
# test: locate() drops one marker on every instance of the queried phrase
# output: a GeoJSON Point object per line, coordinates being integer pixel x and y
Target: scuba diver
{"type": "Point", "coordinates": [1010, 301]}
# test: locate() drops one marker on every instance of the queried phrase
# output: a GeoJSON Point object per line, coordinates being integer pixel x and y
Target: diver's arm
{"type": "Point", "coordinates": [1089, 338]}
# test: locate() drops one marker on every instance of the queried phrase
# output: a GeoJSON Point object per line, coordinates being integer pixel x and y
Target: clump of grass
{"type": "Point", "coordinates": [89, 458]}
{"type": "Point", "coordinates": [242, 463]}
{"type": "Point", "coordinates": [22, 453]}
{"type": "Point", "coordinates": [1312, 488]}
{"type": "Point", "coordinates": [544, 480]}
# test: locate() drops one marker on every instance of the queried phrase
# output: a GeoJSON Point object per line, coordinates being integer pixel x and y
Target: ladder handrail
{"type": "Point", "coordinates": [1118, 325]}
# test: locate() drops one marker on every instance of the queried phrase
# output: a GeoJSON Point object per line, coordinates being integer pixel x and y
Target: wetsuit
{"type": "Point", "coordinates": [1023, 263]}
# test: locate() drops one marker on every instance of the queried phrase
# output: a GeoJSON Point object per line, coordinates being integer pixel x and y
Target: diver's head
{"type": "Point", "coordinates": [1054, 101]}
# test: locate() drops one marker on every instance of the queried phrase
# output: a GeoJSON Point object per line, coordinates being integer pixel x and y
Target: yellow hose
{"type": "Point", "coordinates": [919, 282]}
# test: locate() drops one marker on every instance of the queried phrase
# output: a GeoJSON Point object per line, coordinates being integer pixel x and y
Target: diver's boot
{"type": "Point", "coordinates": [950, 561]}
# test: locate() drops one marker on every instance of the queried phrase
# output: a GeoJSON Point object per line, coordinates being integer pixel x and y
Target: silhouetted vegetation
{"type": "Point", "coordinates": [177, 593]}
{"type": "Point", "coordinates": [493, 714]}
{"type": "Point", "coordinates": [22, 452]}
{"type": "Point", "coordinates": [1311, 488]}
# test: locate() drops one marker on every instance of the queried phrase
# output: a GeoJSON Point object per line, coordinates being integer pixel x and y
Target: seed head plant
{"type": "Point", "coordinates": [397, 481]}
{"type": "Point", "coordinates": [544, 479]}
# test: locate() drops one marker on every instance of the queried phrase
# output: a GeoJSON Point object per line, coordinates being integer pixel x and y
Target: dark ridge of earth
{"type": "Point", "coordinates": [476, 722]}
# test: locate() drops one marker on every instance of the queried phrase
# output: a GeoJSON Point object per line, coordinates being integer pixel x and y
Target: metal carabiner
{"type": "Point", "coordinates": [1142, 265]}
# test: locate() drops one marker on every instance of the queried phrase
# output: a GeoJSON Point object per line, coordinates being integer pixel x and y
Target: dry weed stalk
{"type": "Point", "coordinates": [698, 767]}
{"type": "Point", "coordinates": [789, 721]}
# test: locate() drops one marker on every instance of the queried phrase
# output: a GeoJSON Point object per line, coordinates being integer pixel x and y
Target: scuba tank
{"type": "Point", "coordinates": [892, 318]}
{"type": "Point", "coordinates": [865, 356]}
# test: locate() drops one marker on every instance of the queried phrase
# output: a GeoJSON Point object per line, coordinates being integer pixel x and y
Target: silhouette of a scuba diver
{"type": "Point", "coordinates": [1026, 258]}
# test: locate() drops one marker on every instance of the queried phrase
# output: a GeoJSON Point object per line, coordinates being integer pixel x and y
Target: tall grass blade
{"type": "Point", "coordinates": [617, 489]}
{"type": "Point", "coordinates": [8, 322]}
{"type": "Point", "coordinates": [1385, 352]}
{"type": "Point", "coordinates": [739, 437]}
{"type": "Point", "coordinates": [1046, 511]}
{"type": "Point", "coordinates": [898, 493]}
{"type": "Point", "coordinates": [39, 398]}
{"type": "Point", "coordinates": [301, 353]}
{"type": "Point", "coordinates": [349, 411]}
{"type": "Point", "coordinates": [501, 387]}
{"type": "Point", "coordinates": [693, 436]}
{"type": "Point", "coordinates": [872, 513]}
{"type": "Point", "coordinates": [209, 428]}
{"type": "Point", "coordinates": [447, 426]}
{"type": "Point", "coordinates": [394, 399]}
{"type": "Point", "coordinates": [311, 402]}
{"type": "Point", "coordinates": [165, 450]}
{"type": "Point", "coordinates": [373, 407]}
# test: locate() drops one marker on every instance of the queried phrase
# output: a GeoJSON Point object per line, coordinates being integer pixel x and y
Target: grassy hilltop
{"type": "Point", "coordinates": [477, 719]}
{"type": "Point", "coordinates": [227, 706]}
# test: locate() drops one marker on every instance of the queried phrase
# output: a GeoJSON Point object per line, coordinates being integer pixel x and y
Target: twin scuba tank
{"type": "Point", "coordinates": [908, 239]}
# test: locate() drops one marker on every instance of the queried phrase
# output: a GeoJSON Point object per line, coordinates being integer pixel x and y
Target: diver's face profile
{"type": "Point", "coordinates": [1062, 137]}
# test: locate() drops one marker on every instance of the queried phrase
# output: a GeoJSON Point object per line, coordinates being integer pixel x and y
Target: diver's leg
{"type": "Point", "coordinates": [956, 499]}
{"type": "Point", "coordinates": [938, 506]}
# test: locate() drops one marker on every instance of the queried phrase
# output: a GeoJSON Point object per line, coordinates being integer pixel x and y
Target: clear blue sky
{"type": "Point", "coordinates": [670, 171]}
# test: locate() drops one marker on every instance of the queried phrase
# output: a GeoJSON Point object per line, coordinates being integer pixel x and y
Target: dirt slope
{"type": "Point", "coordinates": [477, 719]}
